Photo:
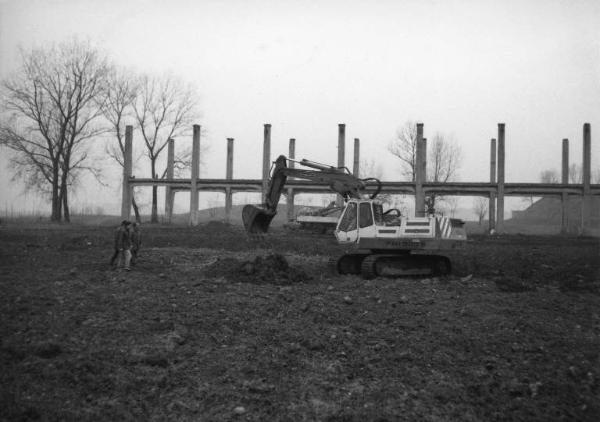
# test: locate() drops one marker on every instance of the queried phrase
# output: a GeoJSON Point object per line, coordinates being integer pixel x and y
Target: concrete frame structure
{"type": "Point", "coordinates": [496, 189]}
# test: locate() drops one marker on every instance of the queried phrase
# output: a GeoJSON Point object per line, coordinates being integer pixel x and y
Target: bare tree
{"type": "Point", "coordinates": [443, 161]}
{"type": "Point", "coordinates": [450, 205]}
{"type": "Point", "coordinates": [480, 208]}
{"type": "Point", "coordinates": [575, 173]}
{"type": "Point", "coordinates": [404, 146]}
{"type": "Point", "coordinates": [549, 176]}
{"type": "Point", "coordinates": [164, 108]}
{"type": "Point", "coordinates": [50, 107]}
{"type": "Point", "coordinates": [444, 157]}
{"type": "Point", "coordinates": [121, 93]}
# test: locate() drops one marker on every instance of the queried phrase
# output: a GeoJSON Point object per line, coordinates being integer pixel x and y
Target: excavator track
{"type": "Point", "coordinates": [348, 264]}
{"type": "Point", "coordinates": [390, 265]}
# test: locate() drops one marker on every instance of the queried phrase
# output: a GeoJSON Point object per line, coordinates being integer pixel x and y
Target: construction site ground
{"type": "Point", "coordinates": [213, 326]}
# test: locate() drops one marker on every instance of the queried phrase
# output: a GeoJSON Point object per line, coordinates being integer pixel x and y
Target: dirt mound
{"type": "Point", "coordinates": [269, 269]}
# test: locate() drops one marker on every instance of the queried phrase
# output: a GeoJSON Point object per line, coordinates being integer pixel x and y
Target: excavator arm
{"type": "Point", "coordinates": [340, 180]}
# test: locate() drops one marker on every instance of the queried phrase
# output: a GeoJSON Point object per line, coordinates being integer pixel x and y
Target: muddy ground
{"type": "Point", "coordinates": [211, 326]}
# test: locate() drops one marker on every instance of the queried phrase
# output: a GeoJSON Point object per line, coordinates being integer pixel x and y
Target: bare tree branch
{"type": "Point", "coordinates": [164, 108]}
{"type": "Point", "coordinates": [404, 146]}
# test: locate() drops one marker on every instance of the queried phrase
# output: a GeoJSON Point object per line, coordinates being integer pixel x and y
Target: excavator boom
{"type": "Point", "coordinates": [258, 219]}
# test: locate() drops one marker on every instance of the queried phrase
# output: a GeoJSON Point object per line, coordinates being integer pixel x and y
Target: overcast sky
{"type": "Point", "coordinates": [460, 67]}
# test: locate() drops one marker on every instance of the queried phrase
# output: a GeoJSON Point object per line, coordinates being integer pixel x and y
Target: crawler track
{"type": "Point", "coordinates": [391, 265]}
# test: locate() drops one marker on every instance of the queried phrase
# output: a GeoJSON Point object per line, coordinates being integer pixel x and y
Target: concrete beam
{"type": "Point", "coordinates": [440, 188]}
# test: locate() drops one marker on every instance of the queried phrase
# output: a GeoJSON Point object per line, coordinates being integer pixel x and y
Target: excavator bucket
{"type": "Point", "coordinates": [256, 219]}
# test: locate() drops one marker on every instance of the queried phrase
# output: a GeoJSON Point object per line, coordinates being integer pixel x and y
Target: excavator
{"type": "Point", "coordinates": [378, 243]}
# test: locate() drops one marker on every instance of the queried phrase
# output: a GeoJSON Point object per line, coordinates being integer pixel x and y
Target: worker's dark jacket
{"type": "Point", "coordinates": [122, 238]}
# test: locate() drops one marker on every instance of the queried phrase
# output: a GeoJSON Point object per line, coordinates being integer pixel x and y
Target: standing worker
{"type": "Point", "coordinates": [122, 245]}
{"type": "Point", "coordinates": [136, 242]}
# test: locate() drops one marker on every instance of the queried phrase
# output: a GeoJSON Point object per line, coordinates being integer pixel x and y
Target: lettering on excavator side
{"type": "Point", "coordinates": [404, 244]}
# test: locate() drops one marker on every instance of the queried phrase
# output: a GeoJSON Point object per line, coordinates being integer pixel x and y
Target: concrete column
{"type": "Point", "coordinates": [266, 160]}
{"type": "Point", "coordinates": [229, 176]}
{"type": "Point", "coordinates": [169, 194]}
{"type": "Point", "coordinates": [564, 197]}
{"type": "Point", "coordinates": [341, 155]}
{"type": "Point", "coordinates": [195, 175]}
{"type": "Point", "coordinates": [356, 163]}
{"type": "Point", "coordinates": [501, 160]}
{"type": "Point", "coordinates": [290, 191]}
{"type": "Point", "coordinates": [419, 176]}
{"type": "Point", "coordinates": [492, 201]}
{"type": "Point", "coordinates": [127, 193]}
{"type": "Point", "coordinates": [586, 176]}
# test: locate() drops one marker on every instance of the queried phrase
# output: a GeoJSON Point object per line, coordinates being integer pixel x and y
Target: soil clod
{"type": "Point", "coordinates": [269, 269]}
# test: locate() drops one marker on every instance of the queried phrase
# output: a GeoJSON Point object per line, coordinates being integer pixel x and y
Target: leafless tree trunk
{"type": "Point", "coordinates": [164, 108]}
{"type": "Point", "coordinates": [50, 105]}
{"type": "Point", "coordinates": [480, 207]}
{"type": "Point", "coordinates": [136, 209]}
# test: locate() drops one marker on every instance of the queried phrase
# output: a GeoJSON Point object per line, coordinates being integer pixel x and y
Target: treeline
{"type": "Point", "coordinates": [65, 97]}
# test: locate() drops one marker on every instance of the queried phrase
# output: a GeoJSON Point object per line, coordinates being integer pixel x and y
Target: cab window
{"type": "Point", "coordinates": [348, 222]}
{"type": "Point", "coordinates": [365, 216]}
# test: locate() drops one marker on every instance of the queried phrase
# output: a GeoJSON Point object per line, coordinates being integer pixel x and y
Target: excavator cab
{"type": "Point", "coordinates": [356, 220]}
